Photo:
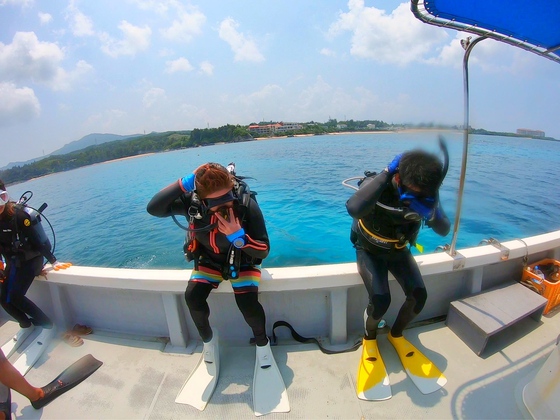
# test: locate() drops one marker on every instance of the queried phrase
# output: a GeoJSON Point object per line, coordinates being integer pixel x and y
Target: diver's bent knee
{"type": "Point", "coordinates": [196, 294]}
{"type": "Point", "coordinates": [379, 304]}
{"type": "Point", "coordinates": [420, 296]}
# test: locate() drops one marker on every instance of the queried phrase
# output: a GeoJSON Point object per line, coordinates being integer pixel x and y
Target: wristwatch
{"type": "Point", "coordinates": [239, 242]}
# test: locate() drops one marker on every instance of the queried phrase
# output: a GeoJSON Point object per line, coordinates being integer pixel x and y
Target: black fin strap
{"type": "Point", "coordinates": [302, 339]}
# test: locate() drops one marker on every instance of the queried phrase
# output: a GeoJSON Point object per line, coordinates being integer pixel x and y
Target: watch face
{"type": "Point", "coordinates": [239, 243]}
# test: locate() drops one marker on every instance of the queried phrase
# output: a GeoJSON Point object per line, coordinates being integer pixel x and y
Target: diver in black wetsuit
{"type": "Point", "coordinates": [23, 244]}
{"type": "Point", "coordinates": [388, 211]}
{"type": "Point", "coordinates": [227, 241]}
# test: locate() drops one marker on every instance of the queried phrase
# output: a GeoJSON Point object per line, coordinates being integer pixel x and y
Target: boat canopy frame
{"type": "Point", "coordinates": [530, 25]}
{"type": "Point", "coordinates": [480, 17]}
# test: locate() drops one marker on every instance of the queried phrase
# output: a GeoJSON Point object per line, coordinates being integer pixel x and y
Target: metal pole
{"type": "Point", "coordinates": [468, 46]}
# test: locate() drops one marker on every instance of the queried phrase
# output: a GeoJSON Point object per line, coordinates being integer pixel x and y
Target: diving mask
{"type": "Point", "coordinates": [219, 201]}
{"type": "Point", "coordinates": [422, 204]}
{"type": "Point", "coordinates": [4, 197]}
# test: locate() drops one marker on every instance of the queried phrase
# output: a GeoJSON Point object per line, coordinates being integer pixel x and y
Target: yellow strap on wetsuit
{"type": "Point", "coordinates": [380, 238]}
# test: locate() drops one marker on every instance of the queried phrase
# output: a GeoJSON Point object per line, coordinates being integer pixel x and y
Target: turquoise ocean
{"type": "Point", "coordinates": [99, 212]}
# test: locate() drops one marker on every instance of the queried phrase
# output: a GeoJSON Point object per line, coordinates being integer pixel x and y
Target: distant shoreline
{"type": "Point", "coordinates": [123, 158]}
{"type": "Point", "coordinates": [396, 132]}
{"type": "Point", "coordinates": [93, 164]}
{"type": "Point", "coordinates": [408, 130]}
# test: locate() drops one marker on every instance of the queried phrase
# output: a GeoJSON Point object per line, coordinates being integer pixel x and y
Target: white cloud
{"type": "Point", "coordinates": [17, 104]}
{"type": "Point", "coordinates": [27, 59]}
{"type": "Point", "coordinates": [207, 68]}
{"type": "Point", "coordinates": [66, 79]}
{"type": "Point", "coordinates": [45, 18]}
{"type": "Point", "coordinates": [397, 38]}
{"type": "Point", "coordinates": [327, 52]}
{"type": "Point", "coordinates": [181, 64]}
{"type": "Point", "coordinates": [451, 54]}
{"type": "Point", "coordinates": [22, 3]}
{"type": "Point", "coordinates": [135, 39]}
{"type": "Point", "coordinates": [80, 24]}
{"type": "Point", "coordinates": [186, 26]}
{"type": "Point", "coordinates": [244, 49]}
{"type": "Point", "coordinates": [490, 55]}
{"type": "Point", "coordinates": [152, 96]}
{"type": "Point", "coordinates": [160, 7]}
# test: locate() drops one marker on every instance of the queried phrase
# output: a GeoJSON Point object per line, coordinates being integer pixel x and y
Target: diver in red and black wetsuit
{"type": "Point", "coordinates": [227, 240]}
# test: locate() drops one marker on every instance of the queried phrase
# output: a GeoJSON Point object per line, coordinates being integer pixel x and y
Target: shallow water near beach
{"type": "Point", "coordinates": [99, 212]}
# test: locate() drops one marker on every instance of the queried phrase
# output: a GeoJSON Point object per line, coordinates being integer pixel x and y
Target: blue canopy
{"type": "Point", "coordinates": [533, 25]}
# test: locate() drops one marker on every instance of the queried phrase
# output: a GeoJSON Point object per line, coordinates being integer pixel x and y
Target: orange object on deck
{"type": "Point", "coordinates": [549, 287]}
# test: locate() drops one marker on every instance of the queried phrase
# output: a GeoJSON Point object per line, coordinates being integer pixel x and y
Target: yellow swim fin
{"type": "Point", "coordinates": [425, 375]}
{"type": "Point", "coordinates": [373, 382]}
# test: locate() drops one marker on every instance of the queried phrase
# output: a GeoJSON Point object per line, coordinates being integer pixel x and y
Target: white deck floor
{"type": "Point", "coordinates": [139, 380]}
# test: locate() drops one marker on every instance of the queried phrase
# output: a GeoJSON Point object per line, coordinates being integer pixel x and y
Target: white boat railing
{"type": "Point", "coordinates": [320, 301]}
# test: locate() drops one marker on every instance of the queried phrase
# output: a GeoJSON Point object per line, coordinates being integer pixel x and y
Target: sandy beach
{"type": "Point", "coordinates": [125, 158]}
{"type": "Point", "coordinates": [407, 130]}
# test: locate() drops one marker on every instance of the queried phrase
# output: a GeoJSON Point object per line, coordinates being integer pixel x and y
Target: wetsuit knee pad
{"type": "Point", "coordinates": [379, 304]}
{"type": "Point", "coordinates": [420, 296]}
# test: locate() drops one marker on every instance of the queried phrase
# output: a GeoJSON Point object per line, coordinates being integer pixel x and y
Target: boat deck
{"type": "Point", "coordinates": [140, 379]}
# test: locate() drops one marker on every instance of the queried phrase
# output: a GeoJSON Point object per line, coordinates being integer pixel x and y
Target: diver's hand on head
{"type": "Point", "coordinates": [57, 265]}
{"type": "Point", "coordinates": [230, 224]}
{"type": "Point", "coordinates": [188, 182]}
{"type": "Point", "coordinates": [393, 167]}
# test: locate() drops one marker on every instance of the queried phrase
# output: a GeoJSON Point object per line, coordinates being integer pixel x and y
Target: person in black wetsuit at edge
{"type": "Point", "coordinates": [388, 211]}
{"type": "Point", "coordinates": [23, 244]}
{"type": "Point", "coordinates": [229, 227]}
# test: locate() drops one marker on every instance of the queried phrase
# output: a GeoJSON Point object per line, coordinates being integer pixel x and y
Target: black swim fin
{"type": "Point", "coordinates": [5, 401]}
{"type": "Point", "coordinates": [72, 376]}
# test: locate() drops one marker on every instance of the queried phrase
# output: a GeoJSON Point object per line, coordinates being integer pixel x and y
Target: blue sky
{"type": "Point", "coordinates": [71, 68]}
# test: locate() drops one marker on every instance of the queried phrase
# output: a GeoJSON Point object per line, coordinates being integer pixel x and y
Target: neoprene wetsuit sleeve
{"type": "Point", "coordinates": [258, 244]}
{"type": "Point", "coordinates": [440, 224]}
{"type": "Point", "coordinates": [363, 201]}
{"type": "Point", "coordinates": [167, 201]}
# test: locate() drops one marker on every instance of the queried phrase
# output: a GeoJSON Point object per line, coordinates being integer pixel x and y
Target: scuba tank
{"type": "Point", "coordinates": [38, 230]}
{"type": "Point", "coordinates": [32, 221]}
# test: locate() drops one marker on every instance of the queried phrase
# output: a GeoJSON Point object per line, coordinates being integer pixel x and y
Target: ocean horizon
{"type": "Point", "coordinates": [99, 217]}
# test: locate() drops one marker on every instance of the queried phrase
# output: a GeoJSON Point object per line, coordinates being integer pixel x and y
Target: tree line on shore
{"type": "Point", "coordinates": [174, 140]}
{"type": "Point", "coordinates": [149, 143]}
{"type": "Point", "coordinates": [152, 143]}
